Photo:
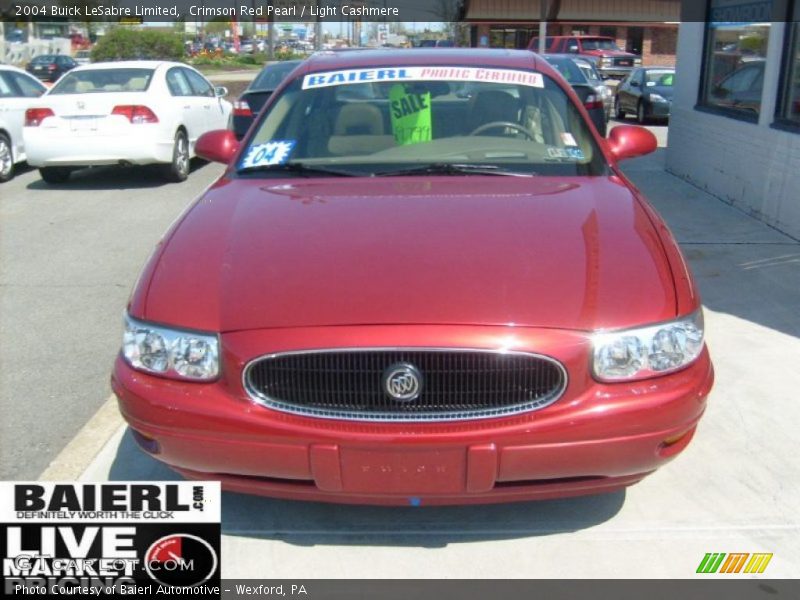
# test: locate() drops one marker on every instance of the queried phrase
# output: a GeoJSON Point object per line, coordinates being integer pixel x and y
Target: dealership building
{"type": "Point", "coordinates": [735, 126]}
{"type": "Point", "coordinates": [645, 27]}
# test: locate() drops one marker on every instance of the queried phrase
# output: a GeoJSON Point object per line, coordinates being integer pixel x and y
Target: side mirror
{"type": "Point", "coordinates": [220, 91]}
{"type": "Point", "coordinates": [630, 141]}
{"type": "Point", "coordinates": [219, 146]}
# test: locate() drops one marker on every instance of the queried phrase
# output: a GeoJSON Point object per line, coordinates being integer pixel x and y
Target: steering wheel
{"type": "Point", "coordinates": [496, 124]}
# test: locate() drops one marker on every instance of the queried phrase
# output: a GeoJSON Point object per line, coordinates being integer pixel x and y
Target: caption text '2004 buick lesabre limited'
{"type": "Point", "coordinates": [422, 279]}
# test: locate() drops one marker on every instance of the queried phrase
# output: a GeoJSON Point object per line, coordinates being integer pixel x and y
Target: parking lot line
{"type": "Point", "coordinates": [76, 456]}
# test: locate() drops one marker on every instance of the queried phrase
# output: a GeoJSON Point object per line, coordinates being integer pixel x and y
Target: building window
{"type": "Point", "coordinates": [737, 36]}
{"type": "Point", "coordinates": [608, 32]}
{"type": "Point", "coordinates": [502, 37]}
{"type": "Point", "coordinates": [789, 107]}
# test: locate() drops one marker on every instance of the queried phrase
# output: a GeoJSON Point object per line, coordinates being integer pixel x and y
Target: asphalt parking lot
{"type": "Point", "coordinates": [71, 255]}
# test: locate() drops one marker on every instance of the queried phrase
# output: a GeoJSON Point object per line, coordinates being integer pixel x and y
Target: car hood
{"type": "Point", "coordinates": [574, 253]}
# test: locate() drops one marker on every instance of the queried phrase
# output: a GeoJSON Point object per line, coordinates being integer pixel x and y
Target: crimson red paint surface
{"type": "Point", "coordinates": [529, 264]}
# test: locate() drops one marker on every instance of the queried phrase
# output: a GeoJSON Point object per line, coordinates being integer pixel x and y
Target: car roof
{"type": "Point", "coordinates": [129, 64]}
{"type": "Point", "coordinates": [497, 58]}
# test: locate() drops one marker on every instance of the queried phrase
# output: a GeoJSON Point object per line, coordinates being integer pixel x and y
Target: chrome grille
{"type": "Point", "coordinates": [456, 384]}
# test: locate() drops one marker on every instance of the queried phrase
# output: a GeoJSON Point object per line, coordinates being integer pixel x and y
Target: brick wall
{"type": "Point", "coordinates": [660, 46]}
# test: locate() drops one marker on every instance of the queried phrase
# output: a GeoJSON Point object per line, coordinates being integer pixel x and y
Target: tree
{"type": "Point", "coordinates": [449, 13]}
{"type": "Point", "coordinates": [217, 26]}
{"type": "Point", "coordinates": [123, 43]}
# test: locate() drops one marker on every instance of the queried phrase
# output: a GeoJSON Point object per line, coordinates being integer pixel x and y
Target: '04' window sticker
{"type": "Point", "coordinates": [275, 152]}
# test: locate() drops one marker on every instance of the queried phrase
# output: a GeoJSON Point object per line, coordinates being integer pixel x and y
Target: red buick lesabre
{"type": "Point", "coordinates": [422, 279]}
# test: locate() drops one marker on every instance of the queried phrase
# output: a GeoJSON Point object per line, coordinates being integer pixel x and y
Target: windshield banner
{"type": "Point", "coordinates": [432, 73]}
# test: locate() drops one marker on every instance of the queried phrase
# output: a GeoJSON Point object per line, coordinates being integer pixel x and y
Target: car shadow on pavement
{"type": "Point", "coordinates": [314, 523]}
{"type": "Point", "coordinates": [112, 178]}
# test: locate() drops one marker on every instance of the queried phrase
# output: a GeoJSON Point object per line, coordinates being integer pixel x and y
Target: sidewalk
{"type": "Point", "coordinates": [735, 489]}
{"type": "Point", "coordinates": [246, 75]}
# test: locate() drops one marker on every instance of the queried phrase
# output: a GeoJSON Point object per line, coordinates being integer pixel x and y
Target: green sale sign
{"type": "Point", "coordinates": [411, 116]}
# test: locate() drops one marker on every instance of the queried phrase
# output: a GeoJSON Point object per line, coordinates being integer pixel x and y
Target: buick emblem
{"type": "Point", "coordinates": [402, 382]}
{"type": "Point", "coordinates": [81, 104]}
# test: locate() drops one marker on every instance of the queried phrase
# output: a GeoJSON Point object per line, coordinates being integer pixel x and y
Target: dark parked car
{"type": "Point", "coordinates": [436, 44]}
{"type": "Point", "coordinates": [646, 93]}
{"type": "Point", "coordinates": [247, 107]}
{"type": "Point", "coordinates": [49, 67]}
{"type": "Point", "coordinates": [599, 83]}
{"type": "Point", "coordinates": [588, 95]}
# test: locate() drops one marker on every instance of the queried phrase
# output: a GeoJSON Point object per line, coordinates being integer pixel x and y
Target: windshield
{"type": "Point", "coordinates": [388, 120]}
{"type": "Point", "coordinates": [97, 81]}
{"type": "Point", "coordinates": [598, 44]}
{"type": "Point", "coordinates": [271, 77]}
{"type": "Point", "coordinates": [661, 78]}
{"type": "Point", "coordinates": [589, 72]}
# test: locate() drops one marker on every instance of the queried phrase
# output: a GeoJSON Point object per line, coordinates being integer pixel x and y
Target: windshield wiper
{"type": "Point", "coordinates": [299, 168]}
{"type": "Point", "coordinates": [453, 169]}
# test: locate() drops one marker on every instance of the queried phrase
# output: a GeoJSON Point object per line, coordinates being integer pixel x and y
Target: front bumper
{"type": "Point", "coordinates": [596, 438]}
{"type": "Point", "coordinates": [615, 72]}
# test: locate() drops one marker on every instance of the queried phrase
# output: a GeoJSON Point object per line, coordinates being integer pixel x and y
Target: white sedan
{"type": "Point", "coordinates": [123, 113]}
{"type": "Point", "coordinates": [17, 91]}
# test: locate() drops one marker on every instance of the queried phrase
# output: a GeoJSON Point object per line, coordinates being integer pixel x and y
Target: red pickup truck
{"type": "Point", "coordinates": [609, 59]}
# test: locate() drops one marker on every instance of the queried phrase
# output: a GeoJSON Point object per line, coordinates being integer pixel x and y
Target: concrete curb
{"type": "Point", "coordinates": [84, 447]}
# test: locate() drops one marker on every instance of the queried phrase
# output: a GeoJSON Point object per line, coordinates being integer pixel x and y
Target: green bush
{"type": "Point", "coordinates": [205, 61]}
{"type": "Point", "coordinates": [287, 54]}
{"type": "Point", "coordinates": [754, 43]}
{"type": "Point", "coordinates": [246, 59]}
{"type": "Point", "coordinates": [122, 43]}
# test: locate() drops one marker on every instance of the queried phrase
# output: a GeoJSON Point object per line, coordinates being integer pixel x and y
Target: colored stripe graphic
{"type": "Point", "coordinates": [758, 563]}
{"type": "Point", "coordinates": [734, 563]}
{"type": "Point", "coordinates": [711, 562]}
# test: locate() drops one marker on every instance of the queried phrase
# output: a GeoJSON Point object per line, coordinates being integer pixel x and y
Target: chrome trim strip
{"type": "Point", "coordinates": [263, 400]}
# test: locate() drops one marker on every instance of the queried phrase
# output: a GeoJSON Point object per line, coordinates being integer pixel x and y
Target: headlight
{"type": "Point", "coordinates": [657, 98]}
{"type": "Point", "coordinates": [170, 352]}
{"type": "Point", "coordinates": [607, 62]}
{"type": "Point", "coordinates": [648, 351]}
